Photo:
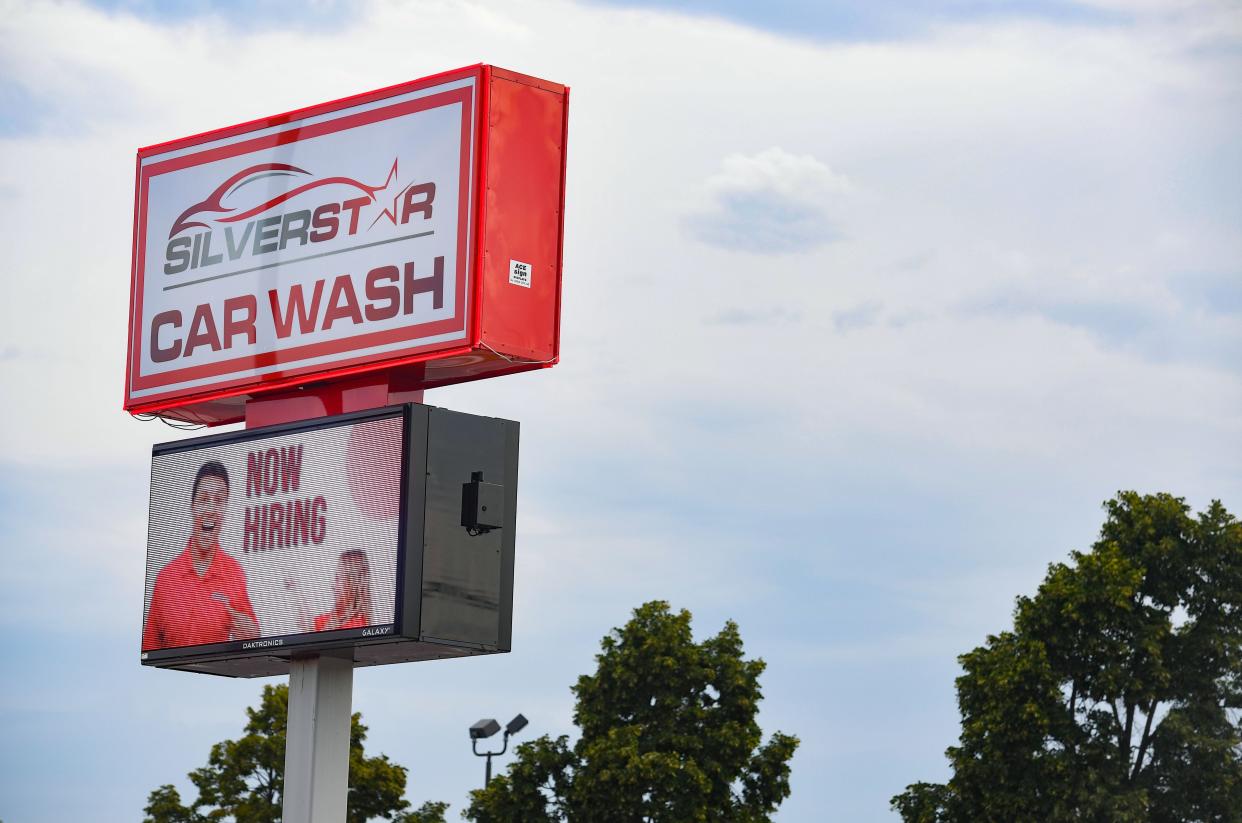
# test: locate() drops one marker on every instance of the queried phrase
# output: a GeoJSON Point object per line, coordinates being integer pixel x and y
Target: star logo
{"type": "Point", "coordinates": [381, 194]}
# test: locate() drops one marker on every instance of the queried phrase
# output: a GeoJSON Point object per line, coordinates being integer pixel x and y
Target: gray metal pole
{"type": "Point", "coordinates": [317, 741]}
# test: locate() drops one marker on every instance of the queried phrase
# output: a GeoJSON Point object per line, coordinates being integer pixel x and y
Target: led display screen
{"type": "Point", "coordinates": [268, 542]}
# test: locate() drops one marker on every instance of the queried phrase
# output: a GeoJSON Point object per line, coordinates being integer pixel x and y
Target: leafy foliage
{"type": "Point", "coordinates": [244, 778]}
{"type": "Point", "coordinates": [669, 733]}
{"type": "Point", "coordinates": [1116, 696]}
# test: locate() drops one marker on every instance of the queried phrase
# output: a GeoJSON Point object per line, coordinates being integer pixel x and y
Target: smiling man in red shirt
{"type": "Point", "coordinates": [200, 596]}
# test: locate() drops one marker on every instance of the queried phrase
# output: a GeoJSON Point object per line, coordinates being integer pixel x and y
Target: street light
{"type": "Point", "coordinates": [488, 727]}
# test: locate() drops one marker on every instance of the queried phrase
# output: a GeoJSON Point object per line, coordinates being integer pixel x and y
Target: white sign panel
{"type": "Point", "coordinates": [305, 246]}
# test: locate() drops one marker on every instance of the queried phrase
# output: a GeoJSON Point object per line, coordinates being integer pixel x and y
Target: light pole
{"type": "Point", "coordinates": [486, 728]}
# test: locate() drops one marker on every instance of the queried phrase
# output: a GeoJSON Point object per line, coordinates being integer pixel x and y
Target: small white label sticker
{"type": "Point", "coordinates": [519, 273]}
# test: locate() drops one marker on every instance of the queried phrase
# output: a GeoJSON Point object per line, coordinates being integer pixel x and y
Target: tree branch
{"type": "Point", "coordinates": [1072, 742]}
{"type": "Point", "coordinates": [1138, 762]}
{"type": "Point", "coordinates": [1112, 704]}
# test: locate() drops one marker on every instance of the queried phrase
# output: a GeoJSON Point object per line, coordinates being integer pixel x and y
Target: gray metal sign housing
{"type": "Point", "coordinates": [454, 571]}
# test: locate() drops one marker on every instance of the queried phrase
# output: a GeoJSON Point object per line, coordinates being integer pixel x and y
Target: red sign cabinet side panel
{"type": "Point", "coordinates": [525, 173]}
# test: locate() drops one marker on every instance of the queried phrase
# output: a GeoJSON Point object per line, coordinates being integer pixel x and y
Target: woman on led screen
{"type": "Point", "coordinates": [352, 592]}
{"type": "Point", "coordinates": [351, 596]}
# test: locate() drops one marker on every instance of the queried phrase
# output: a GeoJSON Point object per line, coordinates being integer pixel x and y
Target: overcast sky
{"type": "Point", "coordinates": [866, 311]}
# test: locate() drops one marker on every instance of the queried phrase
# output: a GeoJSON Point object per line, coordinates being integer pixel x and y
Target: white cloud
{"type": "Point", "coordinates": [770, 202]}
{"type": "Point", "coordinates": [801, 177]}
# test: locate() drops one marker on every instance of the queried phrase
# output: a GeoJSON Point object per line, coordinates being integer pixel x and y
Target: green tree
{"type": "Point", "coordinates": [1116, 696]}
{"type": "Point", "coordinates": [668, 733]}
{"type": "Point", "coordinates": [243, 778]}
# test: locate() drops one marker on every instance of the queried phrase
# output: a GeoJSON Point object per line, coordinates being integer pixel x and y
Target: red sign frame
{"type": "Point", "coordinates": [513, 165]}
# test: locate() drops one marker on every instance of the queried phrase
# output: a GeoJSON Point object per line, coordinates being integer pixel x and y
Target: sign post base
{"type": "Point", "coordinates": [317, 740]}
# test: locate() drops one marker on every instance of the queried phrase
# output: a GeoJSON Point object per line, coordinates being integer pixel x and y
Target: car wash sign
{"type": "Point", "coordinates": [314, 242]}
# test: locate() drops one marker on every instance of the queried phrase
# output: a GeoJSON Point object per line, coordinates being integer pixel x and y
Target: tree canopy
{"type": "Point", "coordinates": [243, 778]}
{"type": "Point", "coordinates": [1116, 695]}
{"type": "Point", "coordinates": [668, 733]}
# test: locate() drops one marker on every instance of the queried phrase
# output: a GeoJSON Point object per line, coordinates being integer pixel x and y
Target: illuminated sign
{"type": "Point", "coordinates": [385, 533]}
{"type": "Point", "coordinates": [358, 235]}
